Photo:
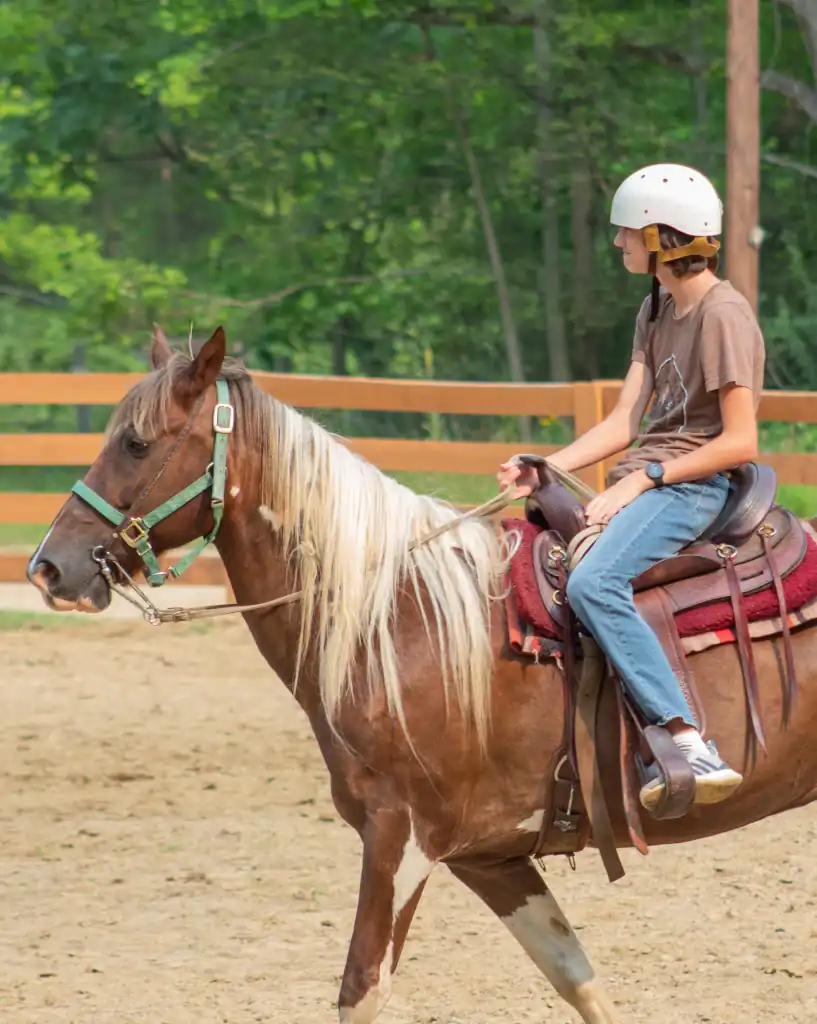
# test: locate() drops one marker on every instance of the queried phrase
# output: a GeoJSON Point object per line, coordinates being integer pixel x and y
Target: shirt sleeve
{"type": "Point", "coordinates": [728, 348]}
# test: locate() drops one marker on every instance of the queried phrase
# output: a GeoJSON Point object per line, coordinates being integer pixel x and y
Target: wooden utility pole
{"type": "Point", "coordinates": [743, 146]}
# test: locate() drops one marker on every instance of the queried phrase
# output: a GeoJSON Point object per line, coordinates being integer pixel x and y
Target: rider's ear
{"type": "Point", "coordinates": [160, 352]}
{"type": "Point", "coordinates": [207, 365]}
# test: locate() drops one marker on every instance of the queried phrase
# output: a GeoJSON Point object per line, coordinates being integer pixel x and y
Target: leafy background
{"type": "Point", "coordinates": [377, 187]}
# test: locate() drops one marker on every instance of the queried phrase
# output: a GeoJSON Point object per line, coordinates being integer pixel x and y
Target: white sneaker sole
{"type": "Point", "coordinates": [709, 789]}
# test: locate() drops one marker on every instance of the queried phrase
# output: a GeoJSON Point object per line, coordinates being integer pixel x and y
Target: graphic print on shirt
{"type": "Point", "coordinates": [669, 410]}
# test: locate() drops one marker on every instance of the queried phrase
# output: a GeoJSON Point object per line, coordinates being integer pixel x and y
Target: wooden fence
{"type": "Point", "coordinates": [586, 403]}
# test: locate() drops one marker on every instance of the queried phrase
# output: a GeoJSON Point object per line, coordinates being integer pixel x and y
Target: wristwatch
{"type": "Point", "coordinates": [655, 472]}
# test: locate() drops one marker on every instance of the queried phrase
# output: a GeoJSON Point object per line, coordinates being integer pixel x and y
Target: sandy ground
{"type": "Point", "coordinates": [170, 854]}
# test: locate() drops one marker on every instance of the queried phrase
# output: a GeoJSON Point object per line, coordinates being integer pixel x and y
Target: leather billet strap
{"type": "Point", "coordinates": [754, 732]}
{"type": "Point", "coordinates": [587, 706]}
{"type": "Point", "coordinates": [790, 683]}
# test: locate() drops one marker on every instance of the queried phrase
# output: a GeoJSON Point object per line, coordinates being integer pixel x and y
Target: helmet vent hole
{"type": "Point", "coordinates": [666, 180]}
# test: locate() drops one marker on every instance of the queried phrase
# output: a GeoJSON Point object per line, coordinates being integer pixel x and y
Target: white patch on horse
{"type": "Point", "coordinates": [544, 932]}
{"type": "Point", "coordinates": [533, 823]}
{"type": "Point", "coordinates": [235, 490]}
{"type": "Point", "coordinates": [413, 869]}
{"type": "Point", "coordinates": [270, 517]}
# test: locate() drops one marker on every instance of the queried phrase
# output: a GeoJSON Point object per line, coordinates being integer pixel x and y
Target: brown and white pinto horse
{"type": "Point", "coordinates": [438, 742]}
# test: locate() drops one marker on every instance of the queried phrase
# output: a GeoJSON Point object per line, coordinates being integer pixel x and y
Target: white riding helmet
{"type": "Point", "coordinates": [671, 194]}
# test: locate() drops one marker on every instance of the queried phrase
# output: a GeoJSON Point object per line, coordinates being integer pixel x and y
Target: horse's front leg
{"type": "Point", "coordinates": [517, 894]}
{"type": "Point", "coordinates": [393, 875]}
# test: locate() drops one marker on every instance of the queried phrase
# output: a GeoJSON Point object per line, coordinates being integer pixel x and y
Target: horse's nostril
{"type": "Point", "coordinates": [48, 572]}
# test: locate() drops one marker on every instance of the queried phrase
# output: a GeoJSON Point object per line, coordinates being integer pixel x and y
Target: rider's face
{"type": "Point", "coordinates": [634, 253]}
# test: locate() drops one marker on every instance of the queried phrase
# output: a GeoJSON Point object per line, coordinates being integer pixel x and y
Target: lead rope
{"type": "Point", "coordinates": [156, 616]}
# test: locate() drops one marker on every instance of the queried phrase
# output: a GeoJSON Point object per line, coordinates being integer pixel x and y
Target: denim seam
{"type": "Point", "coordinates": [643, 527]}
{"type": "Point", "coordinates": [664, 716]}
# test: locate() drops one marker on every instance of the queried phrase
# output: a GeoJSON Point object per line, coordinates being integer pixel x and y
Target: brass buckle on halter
{"type": "Point", "coordinates": [134, 533]}
{"type": "Point", "coordinates": [218, 426]}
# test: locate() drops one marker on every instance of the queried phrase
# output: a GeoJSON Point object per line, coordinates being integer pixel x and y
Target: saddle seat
{"type": "Point", "coordinates": [752, 489]}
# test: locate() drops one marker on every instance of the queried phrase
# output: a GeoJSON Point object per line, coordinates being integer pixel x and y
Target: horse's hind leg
{"type": "Point", "coordinates": [517, 894]}
{"type": "Point", "coordinates": [393, 876]}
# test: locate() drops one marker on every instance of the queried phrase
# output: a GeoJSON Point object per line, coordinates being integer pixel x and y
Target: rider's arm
{"type": "Point", "coordinates": [736, 443]}
{"type": "Point", "coordinates": [617, 431]}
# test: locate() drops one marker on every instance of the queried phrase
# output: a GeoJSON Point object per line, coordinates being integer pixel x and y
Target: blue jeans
{"type": "Point", "coordinates": [656, 525]}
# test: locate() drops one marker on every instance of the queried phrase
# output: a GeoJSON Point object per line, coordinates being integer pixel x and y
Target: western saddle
{"type": "Point", "coordinates": [752, 545]}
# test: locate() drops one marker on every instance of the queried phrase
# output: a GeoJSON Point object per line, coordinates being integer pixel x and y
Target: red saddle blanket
{"type": "Point", "coordinates": [533, 630]}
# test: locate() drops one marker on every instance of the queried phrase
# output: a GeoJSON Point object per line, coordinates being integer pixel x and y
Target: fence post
{"type": "Point", "coordinates": [587, 412]}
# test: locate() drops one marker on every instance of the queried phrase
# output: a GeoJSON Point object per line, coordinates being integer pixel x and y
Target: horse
{"type": "Point", "coordinates": [382, 611]}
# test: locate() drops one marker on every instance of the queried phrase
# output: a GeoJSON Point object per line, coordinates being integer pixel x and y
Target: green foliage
{"type": "Point", "coordinates": [297, 170]}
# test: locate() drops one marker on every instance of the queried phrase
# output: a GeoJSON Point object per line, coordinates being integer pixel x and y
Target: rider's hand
{"type": "Point", "coordinates": [610, 502]}
{"type": "Point", "coordinates": [513, 474]}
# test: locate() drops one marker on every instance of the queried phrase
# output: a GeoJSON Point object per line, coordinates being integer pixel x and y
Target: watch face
{"type": "Point", "coordinates": [655, 471]}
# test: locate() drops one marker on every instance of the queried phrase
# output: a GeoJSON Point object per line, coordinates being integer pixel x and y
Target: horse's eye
{"type": "Point", "coordinates": [135, 446]}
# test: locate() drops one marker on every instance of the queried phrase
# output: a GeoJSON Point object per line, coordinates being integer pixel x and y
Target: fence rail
{"type": "Point", "coordinates": [585, 402]}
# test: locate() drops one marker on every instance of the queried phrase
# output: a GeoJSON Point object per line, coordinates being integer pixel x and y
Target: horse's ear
{"type": "Point", "coordinates": [160, 352]}
{"type": "Point", "coordinates": [207, 365]}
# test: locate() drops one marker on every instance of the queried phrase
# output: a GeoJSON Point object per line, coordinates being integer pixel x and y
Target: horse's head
{"type": "Point", "coordinates": [157, 484]}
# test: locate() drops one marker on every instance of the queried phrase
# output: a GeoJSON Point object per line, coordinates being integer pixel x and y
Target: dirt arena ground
{"type": "Point", "coordinates": [170, 854]}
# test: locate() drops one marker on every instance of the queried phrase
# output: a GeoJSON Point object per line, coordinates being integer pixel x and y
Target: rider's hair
{"type": "Point", "coordinates": [671, 239]}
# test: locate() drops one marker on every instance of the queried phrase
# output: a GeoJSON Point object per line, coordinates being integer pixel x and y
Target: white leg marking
{"type": "Point", "coordinates": [533, 823]}
{"type": "Point", "coordinates": [544, 932]}
{"type": "Point", "coordinates": [412, 871]}
{"type": "Point", "coordinates": [375, 999]}
{"type": "Point", "coordinates": [270, 516]}
{"type": "Point", "coordinates": [235, 490]}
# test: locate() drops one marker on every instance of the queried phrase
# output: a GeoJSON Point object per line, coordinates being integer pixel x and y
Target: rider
{"type": "Point", "coordinates": [698, 351]}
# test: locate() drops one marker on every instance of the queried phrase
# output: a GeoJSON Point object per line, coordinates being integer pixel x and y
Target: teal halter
{"type": "Point", "coordinates": [136, 530]}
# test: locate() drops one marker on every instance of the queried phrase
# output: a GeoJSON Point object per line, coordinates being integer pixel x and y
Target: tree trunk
{"type": "Point", "coordinates": [550, 278]}
{"type": "Point", "coordinates": [581, 212]}
{"type": "Point", "coordinates": [512, 346]}
{"type": "Point", "coordinates": [700, 88]}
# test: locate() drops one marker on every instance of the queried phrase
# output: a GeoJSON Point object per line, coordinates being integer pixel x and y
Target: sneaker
{"type": "Point", "coordinates": [714, 781]}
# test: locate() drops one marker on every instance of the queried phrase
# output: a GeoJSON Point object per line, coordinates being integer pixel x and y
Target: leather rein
{"type": "Point", "coordinates": [135, 530]}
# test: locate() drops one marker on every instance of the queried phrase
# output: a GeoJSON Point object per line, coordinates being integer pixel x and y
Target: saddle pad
{"type": "Point", "coordinates": [799, 588]}
{"type": "Point", "coordinates": [529, 606]}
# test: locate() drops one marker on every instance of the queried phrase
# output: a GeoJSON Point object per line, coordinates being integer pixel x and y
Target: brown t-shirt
{"type": "Point", "coordinates": [718, 342]}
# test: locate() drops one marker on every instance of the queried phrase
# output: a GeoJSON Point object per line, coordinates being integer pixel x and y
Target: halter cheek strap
{"type": "Point", "coordinates": [135, 530]}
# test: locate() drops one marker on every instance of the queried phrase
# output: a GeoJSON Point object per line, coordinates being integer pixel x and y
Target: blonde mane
{"type": "Point", "coordinates": [349, 532]}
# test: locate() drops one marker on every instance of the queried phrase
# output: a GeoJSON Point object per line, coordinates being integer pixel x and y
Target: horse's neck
{"type": "Point", "coordinates": [252, 555]}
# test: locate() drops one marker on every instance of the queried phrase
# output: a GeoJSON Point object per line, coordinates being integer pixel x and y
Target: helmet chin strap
{"type": "Point", "coordinates": [656, 286]}
{"type": "Point", "coordinates": [699, 246]}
